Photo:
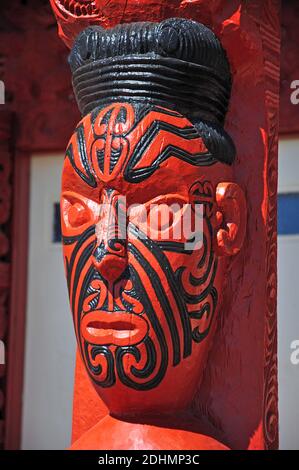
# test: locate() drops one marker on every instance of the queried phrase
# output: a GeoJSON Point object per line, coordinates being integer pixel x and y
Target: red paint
{"type": "Point", "coordinates": [29, 49]}
{"type": "Point", "coordinates": [88, 409]}
{"type": "Point", "coordinates": [18, 297]}
{"type": "Point", "coordinates": [122, 435]}
{"type": "Point", "coordinates": [32, 60]}
{"type": "Point", "coordinates": [123, 329]}
{"type": "Point", "coordinates": [46, 116]}
{"type": "Point", "coordinates": [231, 202]}
{"type": "Point", "coordinates": [174, 177]}
{"type": "Point", "coordinates": [230, 387]}
{"type": "Point", "coordinates": [6, 168]}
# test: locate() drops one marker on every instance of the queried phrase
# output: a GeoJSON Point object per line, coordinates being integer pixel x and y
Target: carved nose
{"type": "Point", "coordinates": [111, 260]}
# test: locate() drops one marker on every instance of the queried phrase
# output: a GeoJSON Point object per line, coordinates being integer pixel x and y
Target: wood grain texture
{"type": "Point", "coordinates": [269, 28]}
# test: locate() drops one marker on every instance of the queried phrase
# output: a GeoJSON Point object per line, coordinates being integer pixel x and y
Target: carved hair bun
{"type": "Point", "coordinates": [179, 38]}
{"type": "Point", "coordinates": [177, 63]}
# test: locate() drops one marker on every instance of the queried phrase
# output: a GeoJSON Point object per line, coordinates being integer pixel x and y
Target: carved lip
{"type": "Point", "coordinates": [117, 328]}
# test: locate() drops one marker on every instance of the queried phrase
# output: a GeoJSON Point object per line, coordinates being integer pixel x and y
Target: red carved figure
{"type": "Point", "coordinates": [150, 147]}
{"type": "Point", "coordinates": [75, 15]}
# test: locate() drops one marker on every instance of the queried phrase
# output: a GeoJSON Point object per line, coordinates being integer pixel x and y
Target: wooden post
{"type": "Point", "coordinates": [237, 400]}
{"type": "Point", "coordinates": [6, 171]}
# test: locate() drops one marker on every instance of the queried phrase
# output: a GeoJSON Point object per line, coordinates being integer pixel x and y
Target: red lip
{"type": "Point", "coordinates": [117, 328]}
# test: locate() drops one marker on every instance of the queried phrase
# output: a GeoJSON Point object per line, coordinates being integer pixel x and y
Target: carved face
{"type": "Point", "coordinates": [143, 301]}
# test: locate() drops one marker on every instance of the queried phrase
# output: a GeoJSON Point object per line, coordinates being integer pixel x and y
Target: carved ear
{"type": "Point", "coordinates": [232, 217]}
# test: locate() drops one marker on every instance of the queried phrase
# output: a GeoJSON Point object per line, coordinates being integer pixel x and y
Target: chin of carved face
{"type": "Point", "coordinates": [143, 302]}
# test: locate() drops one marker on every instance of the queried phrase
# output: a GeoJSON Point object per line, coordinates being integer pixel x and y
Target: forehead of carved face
{"type": "Point", "coordinates": [144, 289]}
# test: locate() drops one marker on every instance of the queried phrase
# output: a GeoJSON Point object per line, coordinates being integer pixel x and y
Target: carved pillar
{"type": "Point", "coordinates": [236, 402]}
{"type": "Point", "coordinates": [5, 249]}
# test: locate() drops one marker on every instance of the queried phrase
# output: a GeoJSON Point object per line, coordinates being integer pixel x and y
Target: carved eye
{"type": "Point", "coordinates": [78, 214]}
{"type": "Point", "coordinates": [163, 212]}
{"type": "Point", "coordinates": [160, 216]}
{"type": "Point", "coordinates": [77, 211]}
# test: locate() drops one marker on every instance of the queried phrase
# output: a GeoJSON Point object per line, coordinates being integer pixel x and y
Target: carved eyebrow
{"type": "Point", "coordinates": [77, 154]}
{"type": "Point", "coordinates": [147, 156]}
{"type": "Point", "coordinates": [168, 198]}
{"type": "Point", "coordinates": [143, 146]}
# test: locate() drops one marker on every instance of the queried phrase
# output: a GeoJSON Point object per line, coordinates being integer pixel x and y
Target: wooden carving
{"type": "Point", "coordinates": [163, 328]}
{"type": "Point", "coordinates": [5, 250]}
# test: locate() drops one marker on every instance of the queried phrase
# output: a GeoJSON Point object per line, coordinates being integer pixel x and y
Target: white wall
{"type": "Point", "coordinates": [288, 301]}
{"type": "Point", "coordinates": [50, 342]}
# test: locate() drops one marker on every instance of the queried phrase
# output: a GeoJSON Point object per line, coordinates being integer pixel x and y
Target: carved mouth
{"type": "Point", "coordinates": [84, 8]}
{"type": "Point", "coordinates": [117, 328]}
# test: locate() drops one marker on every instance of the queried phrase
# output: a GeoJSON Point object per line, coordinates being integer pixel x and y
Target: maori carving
{"type": "Point", "coordinates": [151, 138]}
{"type": "Point", "coordinates": [98, 161]}
{"type": "Point", "coordinates": [5, 249]}
{"type": "Point", "coordinates": [47, 124]}
{"type": "Point", "coordinates": [75, 15]}
{"type": "Point", "coordinates": [272, 50]}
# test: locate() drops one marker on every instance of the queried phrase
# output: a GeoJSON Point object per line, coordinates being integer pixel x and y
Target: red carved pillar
{"type": "Point", "coordinates": [5, 250]}
{"type": "Point", "coordinates": [236, 402]}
